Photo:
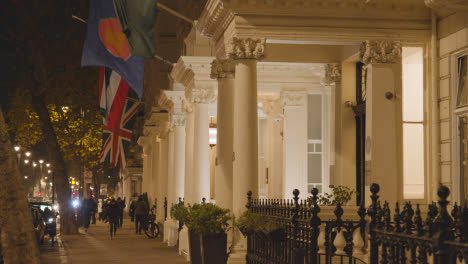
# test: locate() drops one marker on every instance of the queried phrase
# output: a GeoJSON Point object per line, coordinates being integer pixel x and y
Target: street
{"type": "Point", "coordinates": [96, 246]}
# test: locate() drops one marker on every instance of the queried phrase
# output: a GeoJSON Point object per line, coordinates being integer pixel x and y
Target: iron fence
{"type": "Point", "coordinates": [405, 237]}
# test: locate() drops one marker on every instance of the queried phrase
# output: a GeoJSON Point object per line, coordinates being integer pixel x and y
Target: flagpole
{"type": "Point", "coordinates": [173, 12]}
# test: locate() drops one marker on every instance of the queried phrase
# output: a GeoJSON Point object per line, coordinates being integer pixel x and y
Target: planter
{"type": "Point", "coordinates": [208, 248]}
{"type": "Point", "coordinates": [277, 234]}
{"type": "Point", "coordinates": [195, 248]}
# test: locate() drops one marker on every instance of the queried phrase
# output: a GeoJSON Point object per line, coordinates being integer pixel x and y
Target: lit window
{"type": "Point", "coordinates": [413, 123]}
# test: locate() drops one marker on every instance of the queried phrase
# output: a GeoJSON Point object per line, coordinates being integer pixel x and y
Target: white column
{"type": "Point", "coordinates": [189, 135]}
{"type": "Point", "coordinates": [223, 71]}
{"type": "Point", "coordinates": [155, 171]}
{"type": "Point", "coordinates": [170, 180]}
{"type": "Point", "coordinates": [383, 78]}
{"type": "Point", "coordinates": [163, 176]}
{"type": "Point", "coordinates": [294, 142]}
{"type": "Point", "coordinates": [176, 186]}
{"type": "Point", "coordinates": [246, 52]}
{"type": "Point", "coordinates": [145, 143]}
{"type": "Point", "coordinates": [201, 147]}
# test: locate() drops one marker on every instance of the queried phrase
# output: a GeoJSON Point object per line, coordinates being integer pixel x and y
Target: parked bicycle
{"type": "Point", "coordinates": [150, 226]}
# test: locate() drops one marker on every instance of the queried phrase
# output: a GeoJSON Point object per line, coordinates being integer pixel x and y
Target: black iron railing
{"type": "Point", "coordinates": [405, 237]}
{"type": "Point", "coordinates": [307, 238]}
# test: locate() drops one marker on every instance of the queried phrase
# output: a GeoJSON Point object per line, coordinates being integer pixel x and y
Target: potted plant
{"type": "Point", "coordinates": [264, 227]}
{"type": "Point", "coordinates": [207, 224]}
{"type": "Point", "coordinates": [341, 194]}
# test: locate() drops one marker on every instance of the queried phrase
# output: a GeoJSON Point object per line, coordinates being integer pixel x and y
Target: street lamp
{"type": "Point", "coordinates": [41, 161]}
{"type": "Point", "coordinates": [28, 154]}
{"type": "Point", "coordinates": [17, 148]}
{"type": "Point", "coordinates": [26, 161]}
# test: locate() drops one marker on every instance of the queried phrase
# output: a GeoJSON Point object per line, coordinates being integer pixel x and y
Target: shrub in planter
{"type": "Point", "coordinates": [341, 194]}
{"type": "Point", "coordinates": [207, 224]}
{"type": "Point", "coordinates": [179, 212]}
{"type": "Point", "coordinates": [263, 227]}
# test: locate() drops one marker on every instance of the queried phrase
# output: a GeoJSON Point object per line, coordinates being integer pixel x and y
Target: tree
{"type": "Point", "coordinates": [47, 46]}
{"type": "Point", "coordinates": [18, 240]}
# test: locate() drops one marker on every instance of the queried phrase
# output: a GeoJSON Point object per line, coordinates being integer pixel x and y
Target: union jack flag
{"type": "Point", "coordinates": [117, 135]}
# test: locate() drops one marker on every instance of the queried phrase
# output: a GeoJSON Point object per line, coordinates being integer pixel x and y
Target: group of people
{"type": "Point", "coordinates": [111, 211]}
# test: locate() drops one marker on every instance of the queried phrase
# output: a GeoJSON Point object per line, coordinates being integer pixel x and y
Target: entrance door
{"type": "Point", "coordinates": [360, 116]}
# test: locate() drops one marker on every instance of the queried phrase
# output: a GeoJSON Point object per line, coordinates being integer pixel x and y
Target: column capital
{"type": "Point", "coordinates": [172, 99]}
{"type": "Point", "coordinates": [332, 74]}
{"type": "Point", "coordinates": [178, 119]}
{"type": "Point", "coordinates": [293, 98]}
{"type": "Point", "coordinates": [380, 51]}
{"type": "Point", "coordinates": [246, 48]}
{"type": "Point", "coordinates": [222, 68]}
{"type": "Point", "coordinates": [203, 96]}
{"type": "Point", "coordinates": [271, 105]}
{"type": "Point", "coordinates": [145, 143]}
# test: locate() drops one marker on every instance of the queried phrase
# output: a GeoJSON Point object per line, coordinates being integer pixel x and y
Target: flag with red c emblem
{"type": "Point", "coordinates": [106, 45]}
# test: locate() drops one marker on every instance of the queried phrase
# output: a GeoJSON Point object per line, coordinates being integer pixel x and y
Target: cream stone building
{"type": "Point", "coordinates": [276, 95]}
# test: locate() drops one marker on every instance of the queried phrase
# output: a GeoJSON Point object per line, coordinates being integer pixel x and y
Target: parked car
{"type": "Point", "coordinates": [39, 224]}
{"type": "Point", "coordinates": [50, 217]}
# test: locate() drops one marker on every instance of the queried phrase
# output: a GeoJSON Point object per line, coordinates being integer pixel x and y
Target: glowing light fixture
{"type": "Point", "coordinates": [41, 161]}
{"type": "Point", "coordinates": [28, 154]}
{"type": "Point", "coordinates": [26, 161]}
{"type": "Point", "coordinates": [17, 148]}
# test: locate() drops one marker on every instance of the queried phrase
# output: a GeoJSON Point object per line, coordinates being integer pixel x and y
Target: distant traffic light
{"type": "Point", "coordinates": [39, 194]}
{"type": "Point", "coordinates": [73, 193]}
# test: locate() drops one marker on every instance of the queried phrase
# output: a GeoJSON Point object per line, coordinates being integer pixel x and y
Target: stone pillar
{"type": "Point", "coordinates": [170, 180]}
{"type": "Point", "coordinates": [223, 71]}
{"type": "Point", "coordinates": [145, 143]}
{"type": "Point", "coordinates": [332, 81]}
{"type": "Point", "coordinates": [176, 186]}
{"type": "Point", "coordinates": [294, 142]}
{"type": "Point", "coordinates": [163, 176]}
{"type": "Point", "coordinates": [189, 141]}
{"type": "Point", "coordinates": [154, 174]}
{"type": "Point", "coordinates": [383, 59]}
{"type": "Point", "coordinates": [201, 148]}
{"type": "Point", "coordinates": [245, 52]}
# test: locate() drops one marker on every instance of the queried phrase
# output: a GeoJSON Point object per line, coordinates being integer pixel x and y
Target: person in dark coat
{"type": "Point", "coordinates": [131, 212]}
{"type": "Point", "coordinates": [141, 210]}
{"type": "Point", "coordinates": [121, 206]}
{"type": "Point", "coordinates": [88, 207]}
{"type": "Point", "coordinates": [113, 214]}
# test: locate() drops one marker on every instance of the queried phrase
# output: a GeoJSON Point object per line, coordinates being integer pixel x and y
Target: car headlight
{"type": "Point", "coordinates": [51, 220]}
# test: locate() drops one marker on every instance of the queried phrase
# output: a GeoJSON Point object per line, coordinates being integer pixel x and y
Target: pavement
{"type": "Point", "coordinates": [95, 246]}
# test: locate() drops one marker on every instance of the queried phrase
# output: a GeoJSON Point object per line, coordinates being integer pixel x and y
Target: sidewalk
{"type": "Point", "coordinates": [97, 247]}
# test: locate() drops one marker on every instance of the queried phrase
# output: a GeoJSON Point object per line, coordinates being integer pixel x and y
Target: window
{"type": "Point", "coordinates": [413, 123]}
{"type": "Point", "coordinates": [315, 142]}
{"type": "Point", "coordinates": [462, 122]}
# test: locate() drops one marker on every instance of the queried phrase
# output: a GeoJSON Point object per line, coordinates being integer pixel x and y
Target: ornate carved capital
{"type": "Point", "coordinates": [145, 143]}
{"type": "Point", "coordinates": [245, 48]}
{"type": "Point", "coordinates": [380, 51]}
{"type": "Point", "coordinates": [293, 98]}
{"type": "Point", "coordinates": [178, 119]}
{"type": "Point", "coordinates": [332, 74]}
{"type": "Point", "coordinates": [203, 96]}
{"type": "Point", "coordinates": [222, 68]}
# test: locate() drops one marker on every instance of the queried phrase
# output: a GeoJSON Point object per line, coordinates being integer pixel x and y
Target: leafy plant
{"type": "Point", "coordinates": [179, 212]}
{"type": "Point", "coordinates": [207, 218]}
{"type": "Point", "coordinates": [341, 194]}
{"type": "Point", "coordinates": [250, 222]}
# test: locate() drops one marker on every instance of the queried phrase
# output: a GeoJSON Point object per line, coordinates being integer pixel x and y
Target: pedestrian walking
{"type": "Point", "coordinates": [122, 205]}
{"type": "Point", "coordinates": [141, 210]}
{"type": "Point", "coordinates": [131, 212]}
{"type": "Point", "coordinates": [88, 207]}
{"type": "Point", "coordinates": [113, 213]}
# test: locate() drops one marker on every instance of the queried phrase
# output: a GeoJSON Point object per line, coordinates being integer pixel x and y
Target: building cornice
{"type": "Point", "coordinates": [194, 73]}
{"type": "Point", "coordinates": [215, 18]}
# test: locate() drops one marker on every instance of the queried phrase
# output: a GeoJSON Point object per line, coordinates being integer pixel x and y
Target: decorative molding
{"type": "Point", "coordinates": [222, 68]}
{"type": "Point", "coordinates": [203, 96]}
{"type": "Point", "coordinates": [215, 18]}
{"type": "Point", "coordinates": [178, 119]}
{"type": "Point", "coordinates": [194, 73]}
{"type": "Point", "coordinates": [380, 51]}
{"type": "Point", "coordinates": [271, 105]}
{"type": "Point", "coordinates": [332, 74]}
{"type": "Point", "coordinates": [245, 48]}
{"type": "Point", "coordinates": [454, 5]}
{"type": "Point", "coordinates": [293, 98]}
{"type": "Point", "coordinates": [145, 143]}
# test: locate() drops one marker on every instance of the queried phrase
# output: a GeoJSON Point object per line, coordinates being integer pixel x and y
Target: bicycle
{"type": "Point", "coordinates": [150, 227]}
